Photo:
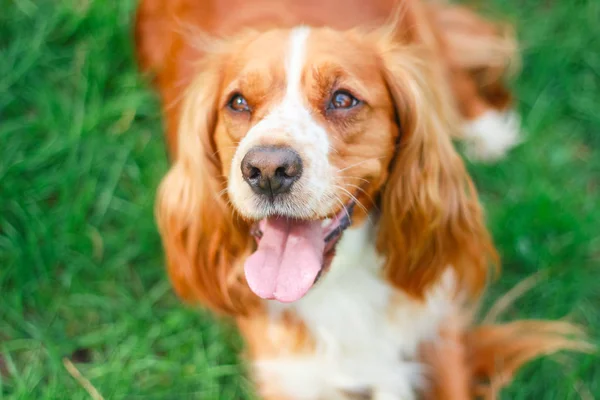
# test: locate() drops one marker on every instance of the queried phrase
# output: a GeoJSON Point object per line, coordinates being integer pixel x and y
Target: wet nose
{"type": "Point", "coordinates": [271, 170]}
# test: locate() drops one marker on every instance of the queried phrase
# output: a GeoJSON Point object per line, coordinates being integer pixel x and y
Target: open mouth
{"type": "Point", "coordinates": [293, 254]}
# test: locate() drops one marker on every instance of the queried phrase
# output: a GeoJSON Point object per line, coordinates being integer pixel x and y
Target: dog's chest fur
{"type": "Point", "coordinates": [367, 333]}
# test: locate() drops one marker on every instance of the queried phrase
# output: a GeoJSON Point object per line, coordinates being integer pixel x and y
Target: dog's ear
{"type": "Point", "coordinates": [431, 218]}
{"type": "Point", "coordinates": [203, 239]}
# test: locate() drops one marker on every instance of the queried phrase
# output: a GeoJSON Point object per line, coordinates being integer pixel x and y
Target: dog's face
{"type": "Point", "coordinates": [283, 135]}
{"type": "Point", "coordinates": [304, 131]}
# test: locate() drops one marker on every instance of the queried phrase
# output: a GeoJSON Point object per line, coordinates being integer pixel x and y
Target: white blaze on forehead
{"type": "Point", "coordinates": [295, 60]}
{"type": "Point", "coordinates": [289, 123]}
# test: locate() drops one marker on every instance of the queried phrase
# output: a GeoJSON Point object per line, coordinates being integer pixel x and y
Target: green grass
{"type": "Point", "coordinates": [81, 154]}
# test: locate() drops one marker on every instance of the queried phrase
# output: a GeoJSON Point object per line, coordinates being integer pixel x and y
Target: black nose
{"type": "Point", "coordinates": [271, 170]}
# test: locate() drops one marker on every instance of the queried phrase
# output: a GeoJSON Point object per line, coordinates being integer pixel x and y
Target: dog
{"type": "Point", "coordinates": [316, 195]}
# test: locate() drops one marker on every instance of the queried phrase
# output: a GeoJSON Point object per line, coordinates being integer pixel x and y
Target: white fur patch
{"type": "Point", "coordinates": [362, 342]}
{"type": "Point", "coordinates": [291, 123]}
{"type": "Point", "coordinates": [295, 62]}
{"type": "Point", "coordinates": [491, 136]}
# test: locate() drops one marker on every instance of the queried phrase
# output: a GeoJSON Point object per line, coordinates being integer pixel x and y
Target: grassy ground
{"type": "Point", "coordinates": [81, 153]}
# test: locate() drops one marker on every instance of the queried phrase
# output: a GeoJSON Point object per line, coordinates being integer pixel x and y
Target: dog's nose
{"type": "Point", "coordinates": [271, 170]}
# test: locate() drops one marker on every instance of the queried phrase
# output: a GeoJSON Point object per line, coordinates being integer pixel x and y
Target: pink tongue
{"type": "Point", "coordinates": [288, 259]}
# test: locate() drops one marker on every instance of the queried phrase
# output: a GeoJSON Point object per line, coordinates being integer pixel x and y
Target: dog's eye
{"type": "Point", "coordinates": [238, 103]}
{"type": "Point", "coordinates": [342, 100]}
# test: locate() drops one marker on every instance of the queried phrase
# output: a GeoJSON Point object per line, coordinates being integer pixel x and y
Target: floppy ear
{"type": "Point", "coordinates": [202, 236]}
{"type": "Point", "coordinates": [431, 217]}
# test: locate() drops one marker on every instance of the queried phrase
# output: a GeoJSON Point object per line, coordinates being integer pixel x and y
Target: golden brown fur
{"type": "Point", "coordinates": [431, 230]}
{"type": "Point", "coordinates": [429, 214]}
{"type": "Point", "coordinates": [469, 45]}
{"type": "Point", "coordinates": [478, 360]}
{"type": "Point", "coordinates": [203, 239]}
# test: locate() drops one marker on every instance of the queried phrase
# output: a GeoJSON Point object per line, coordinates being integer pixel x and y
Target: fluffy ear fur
{"type": "Point", "coordinates": [431, 218]}
{"type": "Point", "coordinates": [202, 237]}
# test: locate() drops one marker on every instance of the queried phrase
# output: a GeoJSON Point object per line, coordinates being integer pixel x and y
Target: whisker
{"type": "Point", "coordinates": [221, 193]}
{"type": "Point", "coordinates": [336, 198]}
{"type": "Point", "coordinates": [228, 204]}
{"type": "Point", "coordinates": [354, 177]}
{"type": "Point", "coordinates": [373, 202]}
{"type": "Point", "coordinates": [360, 189]}
{"type": "Point", "coordinates": [353, 198]}
{"type": "Point", "coordinates": [226, 147]}
{"type": "Point", "coordinates": [359, 163]}
{"type": "Point", "coordinates": [369, 217]}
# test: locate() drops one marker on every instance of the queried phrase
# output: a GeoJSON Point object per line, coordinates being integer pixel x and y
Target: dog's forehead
{"type": "Point", "coordinates": [305, 50]}
{"type": "Point", "coordinates": [343, 45]}
{"type": "Point", "coordinates": [342, 51]}
{"type": "Point", "coordinates": [258, 53]}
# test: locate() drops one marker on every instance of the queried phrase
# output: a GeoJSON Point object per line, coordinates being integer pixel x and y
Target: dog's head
{"type": "Point", "coordinates": [287, 135]}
